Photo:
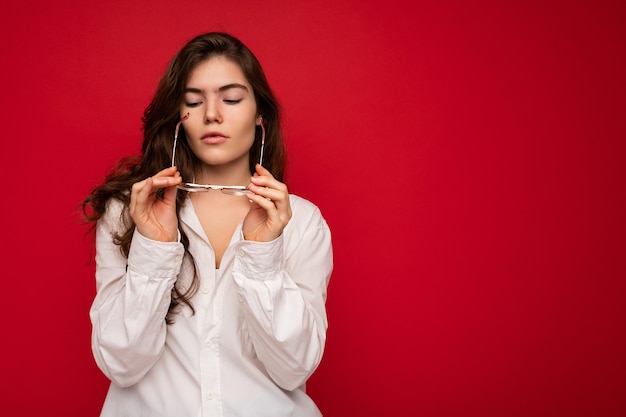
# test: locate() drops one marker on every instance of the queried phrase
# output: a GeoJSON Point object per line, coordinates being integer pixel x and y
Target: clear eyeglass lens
{"type": "Point", "coordinates": [198, 188]}
{"type": "Point", "coordinates": [234, 191]}
{"type": "Point", "coordinates": [186, 187]}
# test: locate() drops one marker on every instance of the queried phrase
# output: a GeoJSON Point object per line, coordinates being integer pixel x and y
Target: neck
{"type": "Point", "coordinates": [234, 173]}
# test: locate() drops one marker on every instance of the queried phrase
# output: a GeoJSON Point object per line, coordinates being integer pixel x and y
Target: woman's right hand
{"type": "Point", "coordinates": [156, 218]}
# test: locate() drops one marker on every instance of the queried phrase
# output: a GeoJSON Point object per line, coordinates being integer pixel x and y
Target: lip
{"type": "Point", "coordinates": [213, 138]}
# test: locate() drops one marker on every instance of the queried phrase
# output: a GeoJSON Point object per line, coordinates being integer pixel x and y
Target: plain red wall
{"type": "Point", "coordinates": [468, 156]}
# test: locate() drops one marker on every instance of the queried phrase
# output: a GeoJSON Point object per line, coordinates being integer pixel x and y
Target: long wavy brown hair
{"type": "Point", "coordinates": [159, 122]}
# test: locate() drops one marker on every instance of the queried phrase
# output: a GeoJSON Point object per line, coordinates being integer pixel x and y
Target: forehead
{"type": "Point", "coordinates": [215, 72]}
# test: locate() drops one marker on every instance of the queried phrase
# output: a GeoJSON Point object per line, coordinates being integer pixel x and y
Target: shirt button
{"type": "Point", "coordinates": [241, 253]}
{"type": "Point", "coordinates": [208, 343]}
{"type": "Point", "coordinates": [209, 396]}
{"type": "Point", "coordinates": [205, 290]}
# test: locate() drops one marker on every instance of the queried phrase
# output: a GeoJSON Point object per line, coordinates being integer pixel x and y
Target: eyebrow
{"type": "Point", "coordinates": [222, 88]}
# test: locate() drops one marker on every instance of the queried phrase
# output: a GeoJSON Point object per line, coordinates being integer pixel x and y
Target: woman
{"type": "Point", "coordinates": [210, 299]}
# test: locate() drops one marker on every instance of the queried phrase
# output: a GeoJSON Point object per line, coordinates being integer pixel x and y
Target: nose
{"type": "Point", "coordinates": [212, 112]}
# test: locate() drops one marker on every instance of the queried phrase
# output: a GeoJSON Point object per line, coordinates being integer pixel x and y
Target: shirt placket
{"type": "Point", "coordinates": [210, 383]}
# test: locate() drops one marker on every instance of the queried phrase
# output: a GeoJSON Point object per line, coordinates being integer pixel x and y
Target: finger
{"type": "Point", "coordinates": [167, 172]}
{"type": "Point", "coordinates": [272, 189]}
{"type": "Point", "coordinates": [265, 204]}
{"type": "Point", "coordinates": [164, 182]}
{"type": "Point", "coordinates": [278, 208]}
{"type": "Point", "coordinates": [169, 195]}
{"type": "Point", "coordinates": [261, 170]}
{"type": "Point", "coordinates": [269, 182]}
{"type": "Point", "coordinates": [269, 193]}
{"type": "Point", "coordinates": [133, 195]}
{"type": "Point", "coordinates": [275, 220]}
{"type": "Point", "coordinates": [145, 191]}
{"type": "Point", "coordinates": [136, 207]}
{"type": "Point", "coordinates": [141, 192]}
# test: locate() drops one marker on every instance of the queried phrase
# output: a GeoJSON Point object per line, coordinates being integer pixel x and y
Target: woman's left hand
{"type": "Point", "coordinates": [270, 210]}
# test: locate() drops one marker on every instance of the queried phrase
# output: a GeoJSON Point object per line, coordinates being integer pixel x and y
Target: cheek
{"type": "Point", "coordinates": [248, 135]}
{"type": "Point", "coordinates": [245, 129]}
{"type": "Point", "coordinates": [192, 128]}
{"type": "Point", "coordinates": [194, 147]}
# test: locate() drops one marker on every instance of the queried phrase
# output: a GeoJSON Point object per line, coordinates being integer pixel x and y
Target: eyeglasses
{"type": "Point", "coordinates": [226, 189]}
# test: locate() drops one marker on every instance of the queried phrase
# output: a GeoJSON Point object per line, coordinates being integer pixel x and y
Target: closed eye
{"type": "Point", "coordinates": [194, 104]}
{"type": "Point", "coordinates": [231, 102]}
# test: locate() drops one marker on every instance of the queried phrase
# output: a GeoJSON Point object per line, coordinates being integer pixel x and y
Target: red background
{"type": "Point", "coordinates": [468, 156]}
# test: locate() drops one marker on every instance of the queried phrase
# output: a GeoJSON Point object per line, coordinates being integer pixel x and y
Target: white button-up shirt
{"type": "Point", "coordinates": [257, 334]}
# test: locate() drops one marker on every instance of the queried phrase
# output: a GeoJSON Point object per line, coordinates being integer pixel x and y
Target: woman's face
{"type": "Point", "coordinates": [222, 113]}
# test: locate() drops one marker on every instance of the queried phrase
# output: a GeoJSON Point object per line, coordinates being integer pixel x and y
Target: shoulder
{"type": "Point", "coordinates": [116, 216]}
{"type": "Point", "coordinates": [305, 214]}
{"type": "Point", "coordinates": [303, 207]}
{"type": "Point", "coordinates": [307, 236]}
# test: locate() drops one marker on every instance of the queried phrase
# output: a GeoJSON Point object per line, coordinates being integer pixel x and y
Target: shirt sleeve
{"type": "Point", "coordinates": [132, 300]}
{"type": "Point", "coordinates": [283, 287]}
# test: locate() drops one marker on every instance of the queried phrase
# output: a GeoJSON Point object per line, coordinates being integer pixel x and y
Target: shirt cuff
{"type": "Point", "coordinates": [259, 260]}
{"type": "Point", "coordinates": [153, 258]}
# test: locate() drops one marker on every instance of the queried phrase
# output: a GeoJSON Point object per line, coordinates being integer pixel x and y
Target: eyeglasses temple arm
{"type": "Point", "coordinates": [185, 117]}
{"type": "Point", "coordinates": [262, 142]}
